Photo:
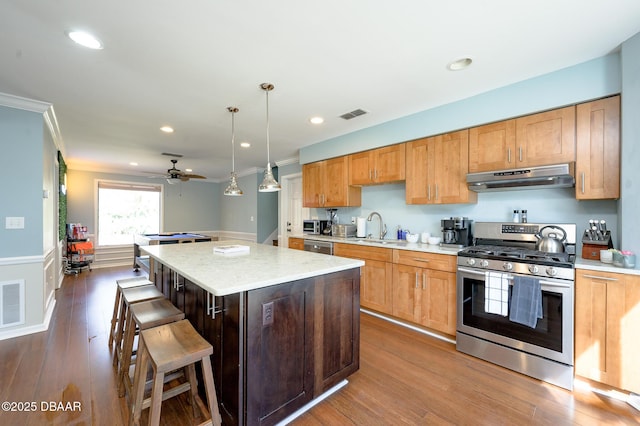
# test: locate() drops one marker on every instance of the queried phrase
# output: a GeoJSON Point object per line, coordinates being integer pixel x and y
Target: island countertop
{"type": "Point", "coordinates": [229, 273]}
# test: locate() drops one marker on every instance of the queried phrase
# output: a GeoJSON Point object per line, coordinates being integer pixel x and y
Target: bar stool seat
{"type": "Point", "coordinates": [122, 284]}
{"type": "Point", "coordinates": [129, 297]}
{"type": "Point", "coordinates": [167, 348]}
{"type": "Point", "coordinates": [142, 316]}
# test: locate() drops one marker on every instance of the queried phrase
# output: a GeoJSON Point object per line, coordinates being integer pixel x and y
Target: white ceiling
{"type": "Point", "coordinates": [167, 62]}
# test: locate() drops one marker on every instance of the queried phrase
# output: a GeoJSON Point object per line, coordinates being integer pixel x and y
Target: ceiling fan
{"type": "Point", "coordinates": [174, 174]}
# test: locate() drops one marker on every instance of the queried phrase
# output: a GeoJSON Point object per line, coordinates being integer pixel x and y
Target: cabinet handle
{"type": "Point", "coordinates": [370, 174]}
{"type": "Point", "coordinates": [375, 174]}
{"type": "Point", "coordinates": [424, 281]}
{"type": "Point", "coordinates": [416, 280]}
{"type": "Point", "coordinates": [210, 310]}
{"type": "Point", "coordinates": [582, 178]}
{"type": "Point", "coordinates": [436, 192]}
{"type": "Point", "coordinates": [509, 155]}
{"type": "Point", "coordinates": [597, 277]}
{"type": "Point", "coordinates": [520, 153]}
{"type": "Point", "coordinates": [429, 192]}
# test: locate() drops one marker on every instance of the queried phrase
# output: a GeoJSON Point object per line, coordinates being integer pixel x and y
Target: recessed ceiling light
{"type": "Point", "coordinates": [133, 164]}
{"type": "Point", "coordinates": [167, 129]}
{"type": "Point", "coordinates": [316, 120]}
{"type": "Point", "coordinates": [459, 64]}
{"type": "Point", "coordinates": [188, 170]}
{"type": "Point", "coordinates": [245, 144]}
{"type": "Point", "coordinates": [85, 39]}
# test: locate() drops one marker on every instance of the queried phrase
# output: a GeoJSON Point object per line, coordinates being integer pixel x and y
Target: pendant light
{"type": "Point", "coordinates": [269, 183]}
{"type": "Point", "coordinates": [233, 189]}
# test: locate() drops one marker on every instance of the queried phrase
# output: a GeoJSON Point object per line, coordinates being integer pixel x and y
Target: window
{"type": "Point", "coordinates": [126, 209]}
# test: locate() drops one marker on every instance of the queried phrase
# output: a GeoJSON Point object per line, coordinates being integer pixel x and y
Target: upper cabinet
{"type": "Point", "coordinates": [534, 140]}
{"type": "Point", "coordinates": [437, 168]}
{"type": "Point", "coordinates": [598, 149]}
{"type": "Point", "coordinates": [326, 184]}
{"type": "Point", "coordinates": [377, 166]}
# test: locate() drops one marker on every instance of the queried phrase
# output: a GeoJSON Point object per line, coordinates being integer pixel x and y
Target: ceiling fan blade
{"type": "Point", "coordinates": [191, 176]}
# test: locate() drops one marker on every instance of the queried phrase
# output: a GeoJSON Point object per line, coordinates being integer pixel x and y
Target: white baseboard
{"type": "Point", "coordinates": [37, 328]}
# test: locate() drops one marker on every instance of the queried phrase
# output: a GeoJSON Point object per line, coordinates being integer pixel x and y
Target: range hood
{"type": "Point", "coordinates": [539, 177]}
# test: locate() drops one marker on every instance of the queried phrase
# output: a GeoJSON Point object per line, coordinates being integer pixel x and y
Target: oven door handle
{"type": "Point", "coordinates": [471, 271]}
{"type": "Point", "coordinates": [510, 278]}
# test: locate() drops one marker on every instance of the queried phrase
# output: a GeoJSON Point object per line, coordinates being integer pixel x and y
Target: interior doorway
{"type": "Point", "coordinates": [291, 211]}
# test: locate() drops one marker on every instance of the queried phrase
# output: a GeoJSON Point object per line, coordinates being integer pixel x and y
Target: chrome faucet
{"type": "Point", "coordinates": [383, 227]}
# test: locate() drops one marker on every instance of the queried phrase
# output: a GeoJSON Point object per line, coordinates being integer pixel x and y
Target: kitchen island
{"type": "Point", "coordinates": [284, 324]}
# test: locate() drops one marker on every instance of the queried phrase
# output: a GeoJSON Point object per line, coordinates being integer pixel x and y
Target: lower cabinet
{"type": "Point", "coordinates": [607, 328]}
{"type": "Point", "coordinates": [376, 275]}
{"type": "Point", "coordinates": [424, 289]}
{"type": "Point", "coordinates": [296, 243]}
{"type": "Point", "coordinates": [276, 348]}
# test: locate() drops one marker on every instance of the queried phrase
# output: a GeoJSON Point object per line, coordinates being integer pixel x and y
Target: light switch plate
{"type": "Point", "coordinates": [14, 222]}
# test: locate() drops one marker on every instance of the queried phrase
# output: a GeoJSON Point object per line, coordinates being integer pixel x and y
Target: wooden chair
{"type": "Point", "coordinates": [142, 316]}
{"type": "Point", "coordinates": [122, 284]}
{"type": "Point", "coordinates": [129, 297]}
{"type": "Point", "coordinates": [167, 348]}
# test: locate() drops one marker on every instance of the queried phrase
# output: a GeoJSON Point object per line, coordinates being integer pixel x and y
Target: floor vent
{"type": "Point", "coordinates": [353, 114]}
{"type": "Point", "coordinates": [11, 303]}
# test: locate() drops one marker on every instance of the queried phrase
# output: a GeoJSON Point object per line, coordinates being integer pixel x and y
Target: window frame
{"type": "Point", "coordinates": [123, 183]}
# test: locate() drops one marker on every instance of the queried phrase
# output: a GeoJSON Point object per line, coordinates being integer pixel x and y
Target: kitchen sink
{"type": "Point", "coordinates": [385, 242]}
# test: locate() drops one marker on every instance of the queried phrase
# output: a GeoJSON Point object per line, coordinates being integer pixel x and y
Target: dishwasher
{"type": "Point", "coordinates": [317, 246]}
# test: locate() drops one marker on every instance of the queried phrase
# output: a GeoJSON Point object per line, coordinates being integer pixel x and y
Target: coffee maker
{"type": "Point", "coordinates": [456, 232]}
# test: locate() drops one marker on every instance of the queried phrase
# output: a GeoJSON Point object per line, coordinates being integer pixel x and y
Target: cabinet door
{"type": "Point", "coordinates": [312, 184]}
{"type": "Point", "coordinates": [336, 187]}
{"type": "Point", "coordinates": [417, 188]}
{"type": "Point", "coordinates": [361, 167]}
{"type": "Point", "coordinates": [406, 285]}
{"type": "Point", "coordinates": [599, 298]}
{"type": "Point", "coordinates": [437, 304]}
{"type": "Point", "coordinates": [296, 243]}
{"type": "Point", "coordinates": [598, 149]}
{"type": "Point", "coordinates": [546, 138]}
{"type": "Point", "coordinates": [194, 304]}
{"type": "Point", "coordinates": [492, 147]}
{"type": "Point", "coordinates": [375, 286]}
{"type": "Point", "coordinates": [449, 159]}
{"type": "Point", "coordinates": [390, 164]}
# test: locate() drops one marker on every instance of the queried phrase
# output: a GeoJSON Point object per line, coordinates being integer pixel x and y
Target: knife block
{"type": "Point", "coordinates": [591, 248]}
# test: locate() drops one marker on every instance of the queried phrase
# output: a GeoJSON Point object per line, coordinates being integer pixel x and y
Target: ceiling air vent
{"type": "Point", "coordinates": [353, 114]}
{"type": "Point", "coordinates": [172, 155]}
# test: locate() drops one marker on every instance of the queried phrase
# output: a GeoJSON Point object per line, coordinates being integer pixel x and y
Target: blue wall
{"type": "Point", "coordinates": [21, 140]}
{"type": "Point", "coordinates": [590, 80]}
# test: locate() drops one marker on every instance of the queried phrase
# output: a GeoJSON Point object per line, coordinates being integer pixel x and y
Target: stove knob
{"type": "Point", "coordinates": [533, 269]}
{"type": "Point", "coordinates": [551, 271]}
{"type": "Point", "coordinates": [507, 266]}
{"type": "Point", "coordinates": [484, 263]}
{"type": "Point", "coordinates": [471, 262]}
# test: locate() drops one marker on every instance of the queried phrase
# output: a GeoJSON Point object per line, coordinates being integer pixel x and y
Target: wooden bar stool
{"type": "Point", "coordinates": [122, 284]}
{"type": "Point", "coordinates": [167, 348]}
{"type": "Point", "coordinates": [129, 297]}
{"type": "Point", "coordinates": [142, 316]}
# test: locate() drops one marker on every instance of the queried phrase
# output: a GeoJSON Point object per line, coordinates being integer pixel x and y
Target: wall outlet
{"type": "Point", "coordinates": [353, 220]}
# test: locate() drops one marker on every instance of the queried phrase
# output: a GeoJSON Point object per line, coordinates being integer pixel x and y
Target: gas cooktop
{"type": "Point", "coordinates": [516, 253]}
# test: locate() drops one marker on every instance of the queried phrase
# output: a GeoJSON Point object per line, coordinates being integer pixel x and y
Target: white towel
{"type": "Point", "coordinates": [496, 293]}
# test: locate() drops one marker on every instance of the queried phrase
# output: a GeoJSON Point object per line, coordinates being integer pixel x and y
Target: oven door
{"type": "Point", "coordinates": [553, 336]}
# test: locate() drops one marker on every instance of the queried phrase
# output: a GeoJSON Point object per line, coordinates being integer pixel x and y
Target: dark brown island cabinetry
{"type": "Point", "coordinates": [278, 347]}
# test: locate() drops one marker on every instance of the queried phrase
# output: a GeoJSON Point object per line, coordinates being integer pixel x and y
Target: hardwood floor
{"type": "Point", "coordinates": [405, 378]}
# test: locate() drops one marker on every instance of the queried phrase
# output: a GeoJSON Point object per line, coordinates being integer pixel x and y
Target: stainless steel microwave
{"type": "Point", "coordinates": [311, 226]}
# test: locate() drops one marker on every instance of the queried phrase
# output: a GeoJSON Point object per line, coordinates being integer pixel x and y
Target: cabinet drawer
{"type": "Point", "coordinates": [441, 262]}
{"type": "Point", "coordinates": [362, 252]}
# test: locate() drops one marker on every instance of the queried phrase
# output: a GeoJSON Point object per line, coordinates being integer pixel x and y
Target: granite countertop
{"type": "Point", "coordinates": [262, 266]}
{"type": "Point", "coordinates": [390, 244]}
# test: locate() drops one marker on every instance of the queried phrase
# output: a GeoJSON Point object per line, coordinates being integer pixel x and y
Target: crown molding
{"type": "Point", "coordinates": [288, 161]}
{"type": "Point", "coordinates": [26, 104]}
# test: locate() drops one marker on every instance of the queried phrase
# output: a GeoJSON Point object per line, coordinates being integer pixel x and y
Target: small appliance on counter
{"type": "Point", "coordinates": [595, 238]}
{"type": "Point", "coordinates": [456, 232]}
{"type": "Point", "coordinates": [316, 227]}
{"type": "Point", "coordinates": [344, 231]}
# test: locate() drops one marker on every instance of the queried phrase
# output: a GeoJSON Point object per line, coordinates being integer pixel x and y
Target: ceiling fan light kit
{"type": "Point", "coordinates": [233, 189]}
{"type": "Point", "coordinates": [269, 183]}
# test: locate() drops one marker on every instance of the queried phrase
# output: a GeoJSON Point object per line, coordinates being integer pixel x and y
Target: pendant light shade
{"type": "Point", "coordinates": [269, 183]}
{"type": "Point", "coordinates": [233, 189]}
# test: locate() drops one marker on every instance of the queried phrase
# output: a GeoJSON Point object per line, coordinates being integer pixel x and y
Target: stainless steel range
{"type": "Point", "coordinates": [515, 303]}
